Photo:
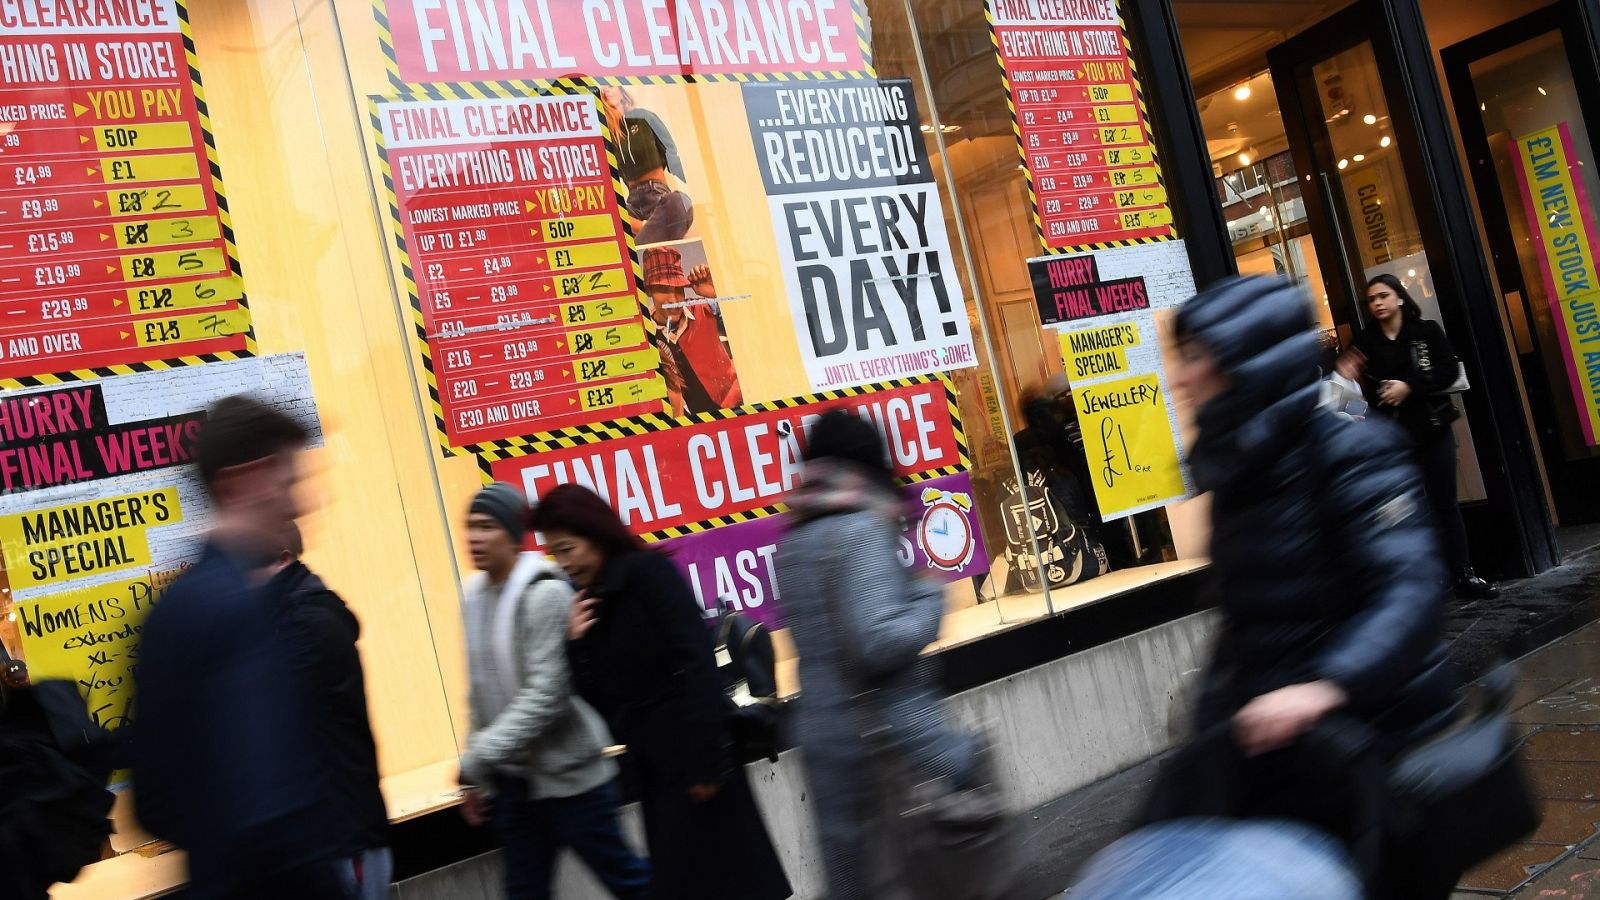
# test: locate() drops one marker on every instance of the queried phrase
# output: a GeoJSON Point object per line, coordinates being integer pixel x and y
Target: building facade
{"type": "Point", "coordinates": [639, 244]}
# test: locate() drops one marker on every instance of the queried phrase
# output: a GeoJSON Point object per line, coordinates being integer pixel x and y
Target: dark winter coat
{"type": "Point", "coordinates": [1322, 548]}
{"type": "Point", "coordinates": [1422, 357]}
{"type": "Point", "coordinates": [225, 762]}
{"type": "Point", "coordinates": [322, 634]}
{"type": "Point", "coordinates": [647, 664]}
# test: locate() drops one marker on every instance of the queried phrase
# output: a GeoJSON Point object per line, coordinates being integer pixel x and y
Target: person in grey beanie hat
{"type": "Point", "coordinates": [535, 765]}
{"type": "Point", "coordinates": [506, 505]}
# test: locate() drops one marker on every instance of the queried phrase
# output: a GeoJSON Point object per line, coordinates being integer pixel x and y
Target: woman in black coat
{"type": "Point", "coordinates": [1404, 363]}
{"type": "Point", "coordinates": [642, 655]}
{"type": "Point", "coordinates": [1331, 581]}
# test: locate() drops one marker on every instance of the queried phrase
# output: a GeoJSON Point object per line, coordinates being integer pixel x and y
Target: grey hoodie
{"type": "Point", "coordinates": [544, 733]}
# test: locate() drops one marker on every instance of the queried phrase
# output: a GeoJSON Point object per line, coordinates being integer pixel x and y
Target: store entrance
{"type": "Point", "coordinates": [1330, 146]}
{"type": "Point", "coordinates": [1525, 97]}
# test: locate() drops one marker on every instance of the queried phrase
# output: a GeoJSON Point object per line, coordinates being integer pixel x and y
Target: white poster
{"type": "Point", "coordinates": [872, 284]}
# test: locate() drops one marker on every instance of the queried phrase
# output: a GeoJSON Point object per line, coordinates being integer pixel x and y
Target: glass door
{"type": "Point", "coordinates": [1356, 179]}
{"type": "Point", "coordinates": [1524, 98]}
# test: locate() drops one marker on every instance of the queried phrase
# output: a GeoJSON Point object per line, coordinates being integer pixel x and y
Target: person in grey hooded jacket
{"type": "Point", "coordinates": [860, 621]}
{"type": "Point", "coordinates": [535, 764]}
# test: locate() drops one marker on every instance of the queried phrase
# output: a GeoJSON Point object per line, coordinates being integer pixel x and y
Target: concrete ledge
{"type": "Point", "coordinates": [1056, 728]}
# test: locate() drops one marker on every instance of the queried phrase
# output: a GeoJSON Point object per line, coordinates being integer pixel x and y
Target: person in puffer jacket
{"type": "Point", "coordinates": [1329, 570]}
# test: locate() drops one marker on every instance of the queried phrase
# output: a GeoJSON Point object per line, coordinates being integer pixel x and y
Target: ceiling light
{"type": "Point", "coordinates": [926, 128]}
{"type": "Point", "coordinates": [1244, 159]}
{"type": "Point", "coordinates": [1344, 163]}
{"type": "Point", "coordinates": [1370, 119]}
{"type": "Point", "coordinates": [1242, 92]}
{"type": "Point", "coordinates": [1264, 212]}
{"type": "Point", "coordinates": [1543, 93]}
{"type": "Point", "coordinates": [1384, 141]}
{"type": "Point", "coordinates": [1345, 111]}
{"type": "Point", "coordinates": [1411, 273]}
{"type": "Point", "coordinates": [1359, 157]}
{"type": "Point", "coordinates": [1483, 107]}
{"type": "Point", "coordinates": [949, 129]}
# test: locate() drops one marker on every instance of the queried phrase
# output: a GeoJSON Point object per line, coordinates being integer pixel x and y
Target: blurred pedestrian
{"type": "Point", "coordinates": [226, 759]}
{"type": "Point", "coordinates": [322, 633]}
{"type": "Point", "coordinates": [1405, 364]}
{"type": "Point", "coordinates": [1324, 555]}
{"type": "Point", "coordinates": [535, 764]}
{"type": "Point", "coordinates": [54, 765]}
{"type": "Point", "coordinates": [642, 655]}
{"type": "Point", "coordinates": [860, 621]}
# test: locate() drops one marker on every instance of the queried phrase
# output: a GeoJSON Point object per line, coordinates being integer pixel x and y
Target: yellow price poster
{"type": "Point", "coordinates": [585, 256]}
{"type": "Point", "coordinates": [161, 232]}
{"type": "Point", "coordinates": [79, 540]}
{"type": "Point", "coordinates": [178, 198]}
{"type": "Point", "coordinates": [142, 136]}
{"type": "Point", "coordinates": [1110, 93]}
{"type": "Point", "coordinates": [171, 264]}
{"type": "Point", "coordinates": [186, 294]}
{"type": "Point", "coordinates": [616, 365]}
{"type": "Point", "coordinates": [1558, 212]}
{"type": "Point", "coordinates": [89, 636]}
{"type": "Point", "coordinates": [1127, 436]}
{"type": "Point", "coordinates": [199, 326]}
{"type": "Point", "coordinates": [575, 228]}
{"type": "Point", "coordinates": [590, 284]}
{"type": "Point", "coordinates": [1118, 114]}
{"type": "Point", "coordinates": [1099, 351]}
{"type": "Point", "coordinates": [593, 311]}
{"type": "Point", "coordinates": [640, 391]}
{"type": "Point", "coordinates": [154, 167]}
{"type": "Point", "coordinates": [610, 337]}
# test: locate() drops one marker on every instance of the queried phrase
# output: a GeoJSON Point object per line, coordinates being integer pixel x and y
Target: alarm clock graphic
{"type": "Point", "coordinates": [945, 533]}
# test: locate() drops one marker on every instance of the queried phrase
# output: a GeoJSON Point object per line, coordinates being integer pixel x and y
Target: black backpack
{"type": "Point", "coordinates": [748, 664]}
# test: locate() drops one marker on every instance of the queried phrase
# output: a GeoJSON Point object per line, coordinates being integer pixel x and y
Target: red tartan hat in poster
{"type": "Point", "coordinates": [664, 266]}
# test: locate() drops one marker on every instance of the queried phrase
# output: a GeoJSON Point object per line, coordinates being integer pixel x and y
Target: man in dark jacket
{"type": "Point", "coordinates": [322, 633]}
{"type": "Point", "coordinates": [225, 754]}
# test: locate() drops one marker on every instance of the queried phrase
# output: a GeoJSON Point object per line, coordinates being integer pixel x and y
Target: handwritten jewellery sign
{"type": "Point", "coordinates": [1080, 119]}
{"type": "Point", "coordinates": [1558, 211]}
{"type": "Point", "coordinates": [1105, 324]}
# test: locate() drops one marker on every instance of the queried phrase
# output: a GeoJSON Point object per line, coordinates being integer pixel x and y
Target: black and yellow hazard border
{"type": "Point", "coordinates": [449, 90]}
{"type": "Point", "coordinates": [1022, 152]}
{"type": "Point", "coordinates": [633, 426]}
{"type": "Point", "coordinates": [485, 91]}
{"type": "Point", "coordinates": [223, 218]}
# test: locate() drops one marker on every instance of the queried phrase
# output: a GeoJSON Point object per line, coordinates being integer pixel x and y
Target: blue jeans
{"type": "Point", "coordinates": [531, 832]}
{"type": "Point", "coordinates": [370, 880]}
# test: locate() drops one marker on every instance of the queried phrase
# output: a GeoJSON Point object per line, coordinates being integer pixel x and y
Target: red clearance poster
{"type": "Point", "coordinates": [431, 41]}
{"type": "Point", "coordinates": [1081, 122]}
{"type": "Point", "coordinates": [114, 235]}
{"type": "Point", "coordinates": [517, 264]}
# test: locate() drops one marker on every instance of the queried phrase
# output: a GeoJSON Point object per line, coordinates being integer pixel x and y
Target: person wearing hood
{"type": "Point", "coordinates": [321, 634]}
{"type": "Point", "coordinates": [860, 621]}
{"type": "Point", "coordinates": [535, 763]}
{"type": "Point", "coordinates": [1327, 564]}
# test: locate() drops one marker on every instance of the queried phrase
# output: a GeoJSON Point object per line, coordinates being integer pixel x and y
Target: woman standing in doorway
{"type": "Point", "coordinates": [642, 655]}
{"type": "Point", "coordinates": [1404, 362]}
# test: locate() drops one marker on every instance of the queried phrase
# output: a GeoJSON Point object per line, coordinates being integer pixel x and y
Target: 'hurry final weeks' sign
{"type": "Point", "coordinates": [114, 244]}
{"type": "Point", "coordinates": [873, 288]}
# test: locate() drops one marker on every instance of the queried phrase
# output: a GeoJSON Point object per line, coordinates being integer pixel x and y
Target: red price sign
{"type": "Point", "coordinates": [516, 249]}
{"type": "Point", "coordinates": [114, 250]}
{"type": "Point", "coordinates": [1080, 122]}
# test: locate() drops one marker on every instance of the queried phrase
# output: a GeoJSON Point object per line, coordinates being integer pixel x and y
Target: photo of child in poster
{"type": "Point", "coordinates": [695, 359]}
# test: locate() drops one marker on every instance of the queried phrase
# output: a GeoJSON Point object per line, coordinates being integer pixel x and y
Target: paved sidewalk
{"type": "Point", "coordinates": [1556, 706]}
{"type": "Point", "coordinates": [1559, 688]}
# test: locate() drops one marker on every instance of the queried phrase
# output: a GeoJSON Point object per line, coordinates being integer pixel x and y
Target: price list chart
{"type": "Point", "coordinates": [115, 245]}
{"type": "Point", "coordinates": [1081, 123]}
{"type": "Point", "coordinates": [517, 263]}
